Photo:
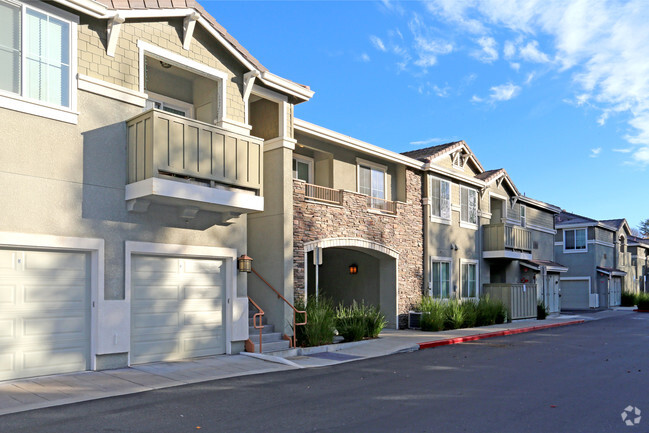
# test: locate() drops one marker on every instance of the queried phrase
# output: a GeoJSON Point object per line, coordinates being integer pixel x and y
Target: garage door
{"type": "Point", "coordinates": [177, 308]}
{"type": "Point", "coordinates": [574, 294]}
{"type": "Point", "coordinates": [44, 313]}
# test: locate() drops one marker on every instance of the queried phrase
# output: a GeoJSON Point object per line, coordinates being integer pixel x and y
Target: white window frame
{"type": "Point", "coordinates": [440, 218]}
{"type": "Point", "coordinates": [466, 224]}
{"type": "Point", "coordinates": [306, 160]}
{"type": "Point", "coordinates": [166, 101]}
{"type": "Point", "coordinates": [18, 102]}
{"type": "Point", "coordinates": [503, 205]}
{"type": "Point", "coordinates": [476, 263]}
{"type": "Point", "coordinates": [182, 62]}
{"type": "Point", "coordinates": [575, 250]}
{"type": "Point", "coordinates": [449, 261]}
{"type": "Point", "coordinates": [523, 215]}
{"type": "Point", "coordinates": [458, 161]}
{"type": "Point", "coordinates": [374, 166]}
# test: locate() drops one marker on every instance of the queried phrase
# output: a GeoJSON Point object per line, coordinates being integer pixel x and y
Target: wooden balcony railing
{"type": "Point", "coordinates": [520, 299]}
{"type": "Point", "coordinates": [324, 194]}
{"type": "Point", "coordinates": [165, 144]}
{"type": "Point", "coordinates": [499, 237]}
{"type": "Point", "coordinates": [383, 205]}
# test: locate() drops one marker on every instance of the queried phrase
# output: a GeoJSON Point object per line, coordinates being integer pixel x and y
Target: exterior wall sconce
{"type": "Point", "coordinates": [353, 269]}
{"type": "Point", "coordinates": [244, 263]}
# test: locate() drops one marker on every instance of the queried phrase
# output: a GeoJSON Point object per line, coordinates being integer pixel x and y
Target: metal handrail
{"type": "Point", "coordinates": [295, 310]}
{"type": "Point", "coordinates": [254, 320]}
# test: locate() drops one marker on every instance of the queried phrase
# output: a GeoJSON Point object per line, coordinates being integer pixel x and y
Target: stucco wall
{"type": "Point", "coordinates": [404, 233]}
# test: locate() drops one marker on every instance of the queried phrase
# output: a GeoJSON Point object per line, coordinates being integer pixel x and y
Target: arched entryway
{"type": "Point", "coordinates": [354, 269]}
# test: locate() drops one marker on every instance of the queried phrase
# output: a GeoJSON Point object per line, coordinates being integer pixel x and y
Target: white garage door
{"type": "Point", "coordinates": [44, 313]}
{"type": "Point", "coordinates": [574, 294]}
{"type": "Point", "coordinates": [177, 308]}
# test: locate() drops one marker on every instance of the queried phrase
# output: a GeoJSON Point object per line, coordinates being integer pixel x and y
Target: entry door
{"type": "Point", "coordinates": [552, 299]}
{"type": "Point", "coordinates": [177, 308]}
{"type": "Point", "coordinates": [44, 313]}
{"type": "Point", "coordinates": [615, 292]}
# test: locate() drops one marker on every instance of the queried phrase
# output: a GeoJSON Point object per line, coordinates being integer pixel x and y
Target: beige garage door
{"type": "Point", "coordinates": [574, 294]}
{"type": "Point", "coordinates": [44, 313]}
{"type": "Point", "coordinates": [177, 308]}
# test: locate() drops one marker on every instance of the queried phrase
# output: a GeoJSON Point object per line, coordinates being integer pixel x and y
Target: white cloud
{"type": "Point", "coordinates": [378, 43]}
{"type": "Point", "coordinates": [476, 99]}
{"type": "Point", "coordinates": [364, 57]}
{"type": "Point", "coordinates": [624, 150]}
{"type": "Point", "coordinates": [442, 92]}
{"type": "Point", "coordinates": [641, 155]}
{"type": "Point", "coordinates": [530, 77]}
{"type": "Point", "coordinates": [594, 153]}
{"type": "Point", "coordinates": [531, 53]}
{"type": "Point", "coordinates": [488, 52]}
{"type": "Point", "coordinates": [515, 66]}
{"type": "Point", "coordinates": [427, 141]}
{"type": "Point", "coordinates": [509, 50]}
{"type": "Point", "coordinates": [504, 92]}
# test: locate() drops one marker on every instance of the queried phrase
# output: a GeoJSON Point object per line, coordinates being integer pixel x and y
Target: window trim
{"type": "Point", "coordinates": [373, 166]}
{"type": "Point", "coordinates": [449, 260]}
{"type": "Point", "coordinates": [575, 250]}
{"type": "Point", "coordinates": [439, 218]}
{"type": "Point", "coordinates": [18, 102]}
{"type": "Point", "coordinates": [467, 224]}
{"type": "Point", "coordinates": [150, 50]}
{"type": "Point", "coordinates": [476, 263]}
{"type": "Point", "coordinates": [306, 160]}
{"type": "Point", "coordinates": [523, 215]}
{"type": "Point", "coordinates": [172, 103]}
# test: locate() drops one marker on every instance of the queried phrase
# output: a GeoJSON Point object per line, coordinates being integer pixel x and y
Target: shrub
{"type": "Point", "coordinates": [490, 312]}
{"type": "Point", "coordinates": [321, 322]}
{"type": "Point", "coordinates": [541, 310]}
{"type": "Point", "coordinates": [374, 322]}
{"type": "Point", "coordinates": [643, 301]}
{"type": "Point", "coordinates": [432, 314]}
{"type": "Point", "coordinates": [629, 299]}
{"type": "Point", "coordinates": [470, 312]}
{"type": "Point", "coordinates": [454, 317]}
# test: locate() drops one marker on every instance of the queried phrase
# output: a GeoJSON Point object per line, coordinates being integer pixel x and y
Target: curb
{"type": "Point", "coordinates": [641, 311]}
{"type": "Point", "coordinates": [448, 341]}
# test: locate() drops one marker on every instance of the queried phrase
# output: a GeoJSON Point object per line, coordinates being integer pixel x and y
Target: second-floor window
{"type": "Point", "coordinates": [303, 168]}
{"type": "Point", "coordinates": [371, 180]}
{"type": "Point", "coordinates": [440, 198]}
{"type": "Point", "coordinates": [35, 54]}
{"type": "Point", "coordinates": [574, 240]}
{"type": "Point", "coordinates": [523, 215]}
{"type": "Point", "coordinates": [468, 205]}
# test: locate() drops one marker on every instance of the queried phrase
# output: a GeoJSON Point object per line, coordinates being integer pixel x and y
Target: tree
{"type": "Point", "coordinates": [644, 228]}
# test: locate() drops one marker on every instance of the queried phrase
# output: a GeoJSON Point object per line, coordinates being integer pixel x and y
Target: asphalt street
{"type": "Point", "coordinates": [572, 379]}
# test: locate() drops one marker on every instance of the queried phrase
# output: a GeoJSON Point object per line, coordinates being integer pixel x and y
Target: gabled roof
{"type": "Point", "coordinates": [611, 271]}
{"type": "Point", "coordinates": [567, 219]}
{"type": "Point", "coordinates": [618, 224]}
{"type": "Point", "coordinates": [635, 240]}
{"type": "Point", "coordinates": [135, 9]}
{"type": "Point", "coordinates": [429, 154]}
{"type": "Point", "coordinates": [491, 176]}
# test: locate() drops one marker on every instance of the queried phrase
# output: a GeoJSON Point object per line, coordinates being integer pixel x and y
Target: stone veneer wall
{"type": "Point", "coordinates": [404, 233]}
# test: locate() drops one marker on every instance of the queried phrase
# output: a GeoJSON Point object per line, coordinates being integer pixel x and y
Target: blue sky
{"type": "Point", "coordinates": [554, 91]}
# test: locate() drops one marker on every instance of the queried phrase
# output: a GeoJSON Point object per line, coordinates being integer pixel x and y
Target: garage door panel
{"type": "Point", "coordinates": [180, 323]}
{"type": "Point", "coordinates": [574, 294]}
{"type": "Point", "coordinates": [7, 294]}
{"type": "Point", "coordinates": [44, 313]}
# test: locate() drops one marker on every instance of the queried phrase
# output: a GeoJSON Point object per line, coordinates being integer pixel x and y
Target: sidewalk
{"type": "Point", "coordinates": [27, 394]}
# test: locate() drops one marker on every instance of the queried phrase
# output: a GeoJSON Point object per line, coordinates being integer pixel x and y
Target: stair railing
{"type": "Point", "coordinates": [259, 316]}
{"type": "Point", "coordinates": [295, 310]}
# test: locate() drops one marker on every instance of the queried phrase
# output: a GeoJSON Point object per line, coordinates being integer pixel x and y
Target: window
{"type": "Point", "coordinates": [371, 180]}
{"type": "Point", "coordinates": [440, 280]}
{"type": "Point", "coordinates": [35, 51]}
{"type": "Point", "coordinates": [469, 280]}
{"type": "Point", "coordinates": [574, 240]}
{"type": "Point", "coordinates": [523, 215]}
{"type": "Point", "coordinates": [440, 198]}
{"type": "Point", "coordinates": [468, 205]}
{"type": "Point", "coordinates": [170, 105]}
{"type": "Point", "coordinates": [303, 168]}
{"type": "Point", "coordinates": [458, 160]}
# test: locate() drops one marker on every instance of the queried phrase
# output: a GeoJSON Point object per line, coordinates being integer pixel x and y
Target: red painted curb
{"type": "Point", "coordinates": [641, 311]}
{"type": "Point", "coordinates": [446, 342]}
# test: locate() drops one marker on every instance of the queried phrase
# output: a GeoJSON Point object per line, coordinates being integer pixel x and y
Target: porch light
{"type": "Point", "coordinates": [244, 263]}
{"type": "Point", "coordinates": [353, 269]}
{"type": "Point", "coordinates": [165, 65]}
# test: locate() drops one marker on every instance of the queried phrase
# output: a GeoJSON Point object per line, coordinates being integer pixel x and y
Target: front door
{"type": "Point", "coordinates": [552, 300]}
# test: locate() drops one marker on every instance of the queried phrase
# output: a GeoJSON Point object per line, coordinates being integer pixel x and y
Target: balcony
{"type": "Point", "coordinates": [177, 161]}
{"type": "Point", "coordinates": [335, 196]}
{"type": "Point", "coordinates": [506, 241]}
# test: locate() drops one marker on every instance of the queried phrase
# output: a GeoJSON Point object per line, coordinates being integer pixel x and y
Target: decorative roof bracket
{"type": "Point", "coordinates": [189, 23]}
{"type": "Point", "coordinates": [114, 27]}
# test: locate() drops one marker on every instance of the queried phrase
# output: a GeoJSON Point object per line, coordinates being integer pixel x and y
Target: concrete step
{"type": "Point", "coordinates": [265, 330]}
{"type": "Point", "coordinates": [270, 337]}
{"type": "Point", "coordinates": [275, 346]}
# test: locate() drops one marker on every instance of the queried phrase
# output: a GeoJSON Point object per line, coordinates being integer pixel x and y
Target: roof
{"type": "Point", "coordinates": [429, 153]}
{"type": "Point", "coordinates": [490, 175]}
{"type": "Point", "coordinates": [550, 265]}
{"type": "Point", "coordinates": [638, 240]}
{"type": "Point", "coordinates": [618, 223]}
{"type": "Point", "coordinates": [572, 218]}
{"type": "Point", "coordinates": [611, 271]}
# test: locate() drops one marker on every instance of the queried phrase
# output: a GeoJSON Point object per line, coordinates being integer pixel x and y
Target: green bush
{"type": "Point", "coordinates": [470, 312]}
{"type": "Point", "coordinates": [454, 315]}
{"type": "Point", "coordinates": [643, 301]}
{"type": "Point", "coordinates": [350, 322]}
{"type": "Point", "coordinates": [432, 314]}
{"type": "Point", "coordinates": [629, 299]}
{"type": "Point", "coordinates": [374, 322]}
{"type": "Point", "coordinates": [490, 312]}
{"type": "Point", "coordinates": [541, 310]}
{"type": "Point", "coordinates": [321, 322]}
